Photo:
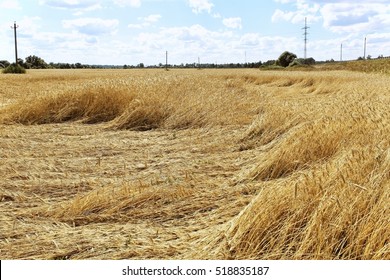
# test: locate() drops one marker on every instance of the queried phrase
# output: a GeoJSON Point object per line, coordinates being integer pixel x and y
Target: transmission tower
{"type": "Point", "coordinates": [305, 37]}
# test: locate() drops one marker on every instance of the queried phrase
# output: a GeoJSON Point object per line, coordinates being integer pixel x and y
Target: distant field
{"type": "Point", "coordinates": [381, 66]}
{"type": "Point", "coordinates": [194, 164]}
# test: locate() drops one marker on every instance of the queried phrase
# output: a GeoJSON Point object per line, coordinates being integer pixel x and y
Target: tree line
{"type": "Point", "coordinates": [35, 62]}
{"type": "Point", "coordinates": [285, 59]}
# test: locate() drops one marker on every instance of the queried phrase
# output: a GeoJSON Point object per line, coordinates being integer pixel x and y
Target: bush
{"type": "Point", "coordinates": [296, 62]}
{"type": "Point", "coordinates": [14, 69]}
{"type": "Point", "coordinates": [306, 61]}
{"type": "Point", "coordinates": [271, 67]}
{"type": "Point", "coordinates": [302, 62]}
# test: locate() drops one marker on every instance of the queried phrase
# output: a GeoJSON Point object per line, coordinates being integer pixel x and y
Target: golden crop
{"type": "Point", "coordinates": [188, 164]}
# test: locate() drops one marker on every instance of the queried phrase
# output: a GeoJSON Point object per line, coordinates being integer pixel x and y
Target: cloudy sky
{"type": "Point", "coordinates": [134, 31]}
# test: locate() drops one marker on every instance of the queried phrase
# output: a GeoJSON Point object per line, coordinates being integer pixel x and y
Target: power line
{"type": "Point", "coordinates": [305, 36]}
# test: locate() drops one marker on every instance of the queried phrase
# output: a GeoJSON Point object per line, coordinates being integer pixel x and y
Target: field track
{"type": "Point", "coordinates": [194, 164]}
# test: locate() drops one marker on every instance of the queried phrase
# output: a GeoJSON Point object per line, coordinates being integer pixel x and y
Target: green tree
{"type": "Point", "coordinates": [4, 63]}
{"type": "Point", "coordinates": [35, 62]}
{"type": "Point", "coordinates": [286, 58]}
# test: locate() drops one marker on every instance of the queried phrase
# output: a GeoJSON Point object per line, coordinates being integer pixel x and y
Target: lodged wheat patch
{"type": "Point", "coordinates": [339, 210]}
{"type": "Point", "coordinates": [328, 169]}
{"type": "Point", "coordinates": [138, 105]}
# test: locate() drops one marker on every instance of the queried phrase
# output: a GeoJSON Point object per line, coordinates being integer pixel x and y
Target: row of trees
{"type": "Point", "coordinates": [207, 65]}
{"type": "Point", "coordinates": [285, 59]}
{"type": "Point", "coordinates": [31, 62]}
{"type": "Point", "coordinates": [35, 62]}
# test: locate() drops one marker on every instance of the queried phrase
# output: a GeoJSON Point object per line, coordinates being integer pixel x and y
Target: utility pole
{"type": "Point", "coordinates": [365, 47]}
{"type": "Point", "coordinates": [166, 60]}
{"type": "Point", "coordinates": [305, 40]}
{"type": "Point", "coordinates": [198, 62]}
{"type": "Point", "coordinates": [341, 53]}
{"type": "Point", "coordinates": [16, 43]}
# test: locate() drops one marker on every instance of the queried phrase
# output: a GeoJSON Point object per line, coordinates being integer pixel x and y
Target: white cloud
{"type": "Point", "coordinates": [304, 9]}
{"type": "Point", "coordinates": [78, 7]}
{"type": "Point", "coordinates": [146, 21]}
{"type": "Point", "coordinates": [268, 47]}
{"type": "Point", "coordinates": [136, 25]}
{"type": "Point", "coordinates": [71, 4]}
{"type": "Point", "coordinates": [345, 16]}
{"type": "Point", "coordinates": [284, 1]}
{"type": "Point", "coordinates": [251, 40]}
{"type": "Point", "coordinates": [70, 47]}
{"type": "Point", "coordinates": [350, 17]}
{"type": "Point", "coordinates": [28, 26]}
{"type": "Point", "coordinates": [280, 15]}
{"type": "Point", "coordinates": [51, 46]}
{"type": "Point", "coordinates": [128, 3]}
{"type": "Point", "coordinates": [152, 18]}
{"type": "Point", "coordinates": [10, 4]}
{"type": "Point", "coordinates": [353, 20]}
{"type": "Point", "coordinates": [235, 23]}
{"type": "Point", "coordinates": [185, 44]}
{"type": "Point", "coordinates": [92, 26]}
{"type": "Point", "coordinates": [347, 1]}
{"type": "Point", "coordinates": [199, 6]}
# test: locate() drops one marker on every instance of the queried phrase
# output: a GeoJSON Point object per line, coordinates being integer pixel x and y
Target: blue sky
{"type": "Point", "coordinates": [218, 31]}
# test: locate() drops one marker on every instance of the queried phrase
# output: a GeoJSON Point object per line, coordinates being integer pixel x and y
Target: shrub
{"type": "Point", "coordinates": [296, 62]}
{"type": "Point", "coordinates": [14, 69]}
{"type": "Point", "coordinates": [310, 61]}
{"type": "Point", "coordinates": [271, 67]}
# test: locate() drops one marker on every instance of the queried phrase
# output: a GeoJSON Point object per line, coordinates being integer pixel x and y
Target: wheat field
{"type": "Point", "coordinates": [194, 164]}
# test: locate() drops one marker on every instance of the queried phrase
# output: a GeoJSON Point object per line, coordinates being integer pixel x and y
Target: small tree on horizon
{"type": "Point", "coordinates": [35, 62]}
{"type": "Point", "coordinates": [286, 58]}
{"type": "Point", "coordinates": [4, 63]}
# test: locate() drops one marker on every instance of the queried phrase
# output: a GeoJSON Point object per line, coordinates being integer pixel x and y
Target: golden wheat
{"type": "Point", "coordinates": [229, 164]}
